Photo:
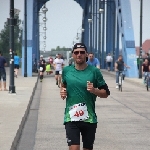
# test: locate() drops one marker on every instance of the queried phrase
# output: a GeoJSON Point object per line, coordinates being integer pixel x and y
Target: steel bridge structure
{"type": "Point", "coordinates": [107, 28]}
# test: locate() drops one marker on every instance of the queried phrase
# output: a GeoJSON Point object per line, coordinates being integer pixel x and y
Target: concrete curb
{"type": "Point", "coordinates": [21, 126]}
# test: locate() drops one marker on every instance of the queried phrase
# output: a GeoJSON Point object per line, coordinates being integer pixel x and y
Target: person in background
{"type": "Point", "coordinates": [16, 64]}
{"type": "Point", "coordinates": [48, 69]}
{"type": "Point", "coordinates": [145, 69]}
{"type": "Point", "coordinates": [108, 61]}
{"type": "Point", "coordinates": [93, 61]}
{"type": "Point", "coordinates": [58, 66]}
{"type": "Point", "coordinates": [51, 60]}
{"type": "Point", "coordinates": [61, 56]}
{"type": "Point", "coordinates": [42, 67]}
{"type": "Point", "coordinates": [119, 67]}
{"type": "Point", "coordinates": [148, 57]}
{"type": "Point", "coordinates": [2, 72]}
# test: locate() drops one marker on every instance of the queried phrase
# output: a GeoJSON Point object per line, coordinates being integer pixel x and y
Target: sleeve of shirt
{"type": "Point", "coordinates": [101, 82]}
{"type": "Point", "coordinates": [99, 79]}
{"type": "Point", "coordinates": [97, 62]}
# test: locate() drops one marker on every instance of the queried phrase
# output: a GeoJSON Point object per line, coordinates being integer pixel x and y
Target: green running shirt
{"type": "Point", "coordinates": [76, 87]}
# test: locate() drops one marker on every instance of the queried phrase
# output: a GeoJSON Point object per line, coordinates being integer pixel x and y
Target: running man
{"type": "Point", "coordinates": [58, 65]}
{"type": "Point", "coordinates": [93, 61]}
{"type": "Point", "coordinates": [81, 84]}
{"type": "Point", "coordinates": [42, 67]}
{"type": "Point", "coordinates": [16, 64]}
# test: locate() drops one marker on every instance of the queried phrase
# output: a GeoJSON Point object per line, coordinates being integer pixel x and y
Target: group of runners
{"type": "Point", "coordinates": [56, 64]}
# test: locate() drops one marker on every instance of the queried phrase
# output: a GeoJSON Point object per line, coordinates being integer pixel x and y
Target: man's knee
{"type": "Point", "coordinates": [4, 77]}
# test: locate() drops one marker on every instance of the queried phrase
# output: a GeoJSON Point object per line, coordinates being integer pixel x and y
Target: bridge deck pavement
{"type": "Point", "coordinates": [14, 109]}
{"type": "Point", "coordinates": [123, 118]}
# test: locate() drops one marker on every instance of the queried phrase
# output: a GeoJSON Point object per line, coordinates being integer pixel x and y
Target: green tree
{"type": "Point", "coordinates": [4, 39]}
{"type": "Point", "coordinates": [53, 49]}
{"type": "Point", "coordinates": [57, 48]}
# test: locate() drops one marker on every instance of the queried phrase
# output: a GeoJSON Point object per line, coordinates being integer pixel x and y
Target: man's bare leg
{"type": "Point", "coordinates": [4, 84]}
{"type": "Point", "coordinates": [74, 147]}
{"type": "Point", "coordinates": [59, 81]}
{"type": "Point", "coordinates": [0, 86]}
{"type": "Point", "coordinates": [56, 77]}
{"type": "Point", "coordinates": [16, 71]}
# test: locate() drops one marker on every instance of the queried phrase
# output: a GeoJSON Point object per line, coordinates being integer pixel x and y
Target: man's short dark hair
{"type": "Point", "coordinates": [79, 45]}
{"type": "Point", "coordinates": [90, 53]}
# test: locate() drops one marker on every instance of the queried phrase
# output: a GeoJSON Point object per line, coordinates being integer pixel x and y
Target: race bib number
{"type": "Point", "coordinates": [60, 72]}
{"type": "Point", "coordinates": [78, 112]}
{"type": "Point", "coordinates": [41, 68]}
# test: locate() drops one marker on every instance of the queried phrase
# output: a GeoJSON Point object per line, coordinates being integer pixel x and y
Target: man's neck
{"type": "Point", "coordinates": [81, 66]}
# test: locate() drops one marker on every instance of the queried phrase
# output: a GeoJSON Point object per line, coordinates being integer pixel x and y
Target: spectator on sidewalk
{"type": "Point", "coordinates": [51, 60]}
{"type": "Point", "coordinates": [2, 72]}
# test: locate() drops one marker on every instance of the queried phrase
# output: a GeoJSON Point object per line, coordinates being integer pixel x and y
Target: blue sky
{"type": "Point", "coordinates": [65, 18]}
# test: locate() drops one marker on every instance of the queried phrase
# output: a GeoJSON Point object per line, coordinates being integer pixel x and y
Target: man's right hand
{"type": "Point", "coordinates": [63, 93]}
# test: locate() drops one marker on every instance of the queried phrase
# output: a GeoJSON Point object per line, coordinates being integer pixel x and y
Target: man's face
{"type": "Point", "coordinates": [120, 58]}
{"type": "Point", "coordinates": [91, 56]}
{"type": "Point", "coordinates": [58, 56]}
{"type": "Point", "coordinates": [146, 61]}
{"type": "Point", "coordinates": [79, 55]}
{"type": "Point", "coordinates": [41, 58]}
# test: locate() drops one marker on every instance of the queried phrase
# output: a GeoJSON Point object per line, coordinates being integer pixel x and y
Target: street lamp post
{"type": "Point", "coordinates": [43, 13]}
{"type": "Point", "coordinates": [140, 53]}
{"type": "Point", "coordinates": [11, 22]}
{"type": "Point", "coordinates": [90, 31]}
{"type": "Point", "coordinates": [25, 38]}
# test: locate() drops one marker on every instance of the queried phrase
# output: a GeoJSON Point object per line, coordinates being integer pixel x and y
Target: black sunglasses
{"type": "Point", "coordinates": [77, 52]}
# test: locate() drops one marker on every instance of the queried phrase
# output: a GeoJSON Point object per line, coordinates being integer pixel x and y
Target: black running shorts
{"type": "Point", "coordinates": [16, 66]}
{"type": "Point", "coordinates": [56, 72]}
{"type": "Point", "coordinates": [87, 130]}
